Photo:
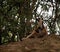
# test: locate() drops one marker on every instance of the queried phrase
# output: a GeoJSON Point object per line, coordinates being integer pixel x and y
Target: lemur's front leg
{"type": "Point", "coordinates": [30, 35]}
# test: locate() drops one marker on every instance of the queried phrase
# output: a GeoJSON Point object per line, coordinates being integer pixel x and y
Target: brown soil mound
{"type": "Point", "coordinates": [45, 44]}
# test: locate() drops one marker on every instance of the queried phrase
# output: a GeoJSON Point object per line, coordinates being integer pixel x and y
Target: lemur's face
{"type": "Point", "coordinates": [40, 20]}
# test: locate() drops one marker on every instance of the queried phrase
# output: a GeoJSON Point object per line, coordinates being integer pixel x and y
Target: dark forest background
{"type": "Point", "coordinates": [18, 18]}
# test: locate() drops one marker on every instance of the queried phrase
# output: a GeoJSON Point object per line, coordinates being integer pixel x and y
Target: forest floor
{"type": "Point", "coordinates": [45, 44]}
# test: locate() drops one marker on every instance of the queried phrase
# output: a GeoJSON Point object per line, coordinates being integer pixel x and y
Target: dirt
{"type": "Point", "coordinates": [45, 44]}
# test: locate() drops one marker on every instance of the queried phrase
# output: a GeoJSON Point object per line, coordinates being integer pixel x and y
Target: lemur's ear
{"type": "Point", "coordinates": [37, 19]}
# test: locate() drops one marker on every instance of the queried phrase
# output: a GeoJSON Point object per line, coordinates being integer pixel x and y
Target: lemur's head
{"type": "Point", "coordinates": [38, 19]}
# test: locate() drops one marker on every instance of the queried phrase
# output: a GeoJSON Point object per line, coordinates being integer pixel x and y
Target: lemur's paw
{"type": "Point", "coordinates": [24, 38]}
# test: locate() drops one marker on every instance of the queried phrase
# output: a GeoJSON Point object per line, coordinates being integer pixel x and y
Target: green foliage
{"type": "Point", "coordinates": [12, 19]}
{"type": "Point", "coordinates": [13, 14]}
